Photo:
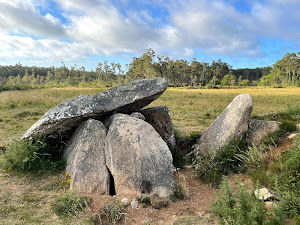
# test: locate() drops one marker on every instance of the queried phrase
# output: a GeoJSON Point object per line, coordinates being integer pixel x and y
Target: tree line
{"type": "Point", "coordinates": [178, 73]}
{"type": "Point", "coordinates": [285, 72]}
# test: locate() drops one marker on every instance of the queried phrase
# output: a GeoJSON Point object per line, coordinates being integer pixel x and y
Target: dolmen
{"type": "Point", "coordinates": [114, 145]}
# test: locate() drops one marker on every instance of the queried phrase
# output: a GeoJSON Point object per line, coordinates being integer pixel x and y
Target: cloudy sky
{"type": "Point", "coordinates": [243, 33]}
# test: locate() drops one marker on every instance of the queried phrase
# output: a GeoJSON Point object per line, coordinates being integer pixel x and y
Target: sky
{"type": "Point", "coordinates": [243, 33]}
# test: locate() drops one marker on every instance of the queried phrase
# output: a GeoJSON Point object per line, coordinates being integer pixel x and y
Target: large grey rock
{"type": "Point", "coordinates": [138, 158]}
{"type": "Point", "coordinates": [86, 159]}
{"type": "Point", "coordinates": [231, 124]}
{"type": "Point", "coordinates": [258, 129]}
{"type": "Point", "coordinates": [160, 118]}
{"type": "Point", "coordinates": [126, 98]}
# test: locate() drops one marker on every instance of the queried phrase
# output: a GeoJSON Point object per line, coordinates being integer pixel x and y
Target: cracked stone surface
{"type": "Point", "coordinates": [230, 125]}
{"type": "Point", "coordinates": [70, 113]}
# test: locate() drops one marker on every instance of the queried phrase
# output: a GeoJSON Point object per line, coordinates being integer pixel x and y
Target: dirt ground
{"type": "Point", "coordinates": [193, 210]}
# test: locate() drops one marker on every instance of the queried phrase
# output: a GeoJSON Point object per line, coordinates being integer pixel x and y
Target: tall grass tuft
{"type": "Point", "coordinates": [69, 204]}
{"type": "Point", "coordinates": [26, 156]}
{"type": "Point", "coordinates": [211, 169]}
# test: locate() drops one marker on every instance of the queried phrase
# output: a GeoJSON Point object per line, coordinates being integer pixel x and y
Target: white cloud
{"type": "Point", "coordinates": [99, 26]}
{"type": "Point", "coordinates": [52, 51]}
{"type": "Point", "coordinates": [21, 17]}
{"type": "Point", "coordinates": [106, 29]}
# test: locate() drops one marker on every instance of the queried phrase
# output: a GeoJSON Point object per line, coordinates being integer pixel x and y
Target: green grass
{"type": "Point", "coordinates": [33, 156]}
{"type": "Point", "coordinates": [69, 204]}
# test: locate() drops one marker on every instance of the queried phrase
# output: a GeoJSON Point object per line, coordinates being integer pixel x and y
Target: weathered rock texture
{"type": "Point", "coordinates": [126, 98]}
{"type": "Point", "coordinates": [160, 118]}
{"type": "Point", "coordinates": [86, 158]}
{"type": "Point", "coordinates": [258, 129]}
{"type": "Point", "coordinates": [232, 124]}
{"type": "Point", "coordinates": [138, 115]}
{"type": "Point", "coordinates": [138, 158]}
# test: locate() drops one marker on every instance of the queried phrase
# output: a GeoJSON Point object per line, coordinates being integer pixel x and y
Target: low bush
{"type": "Point", "coordinates": [69, 204]}
{"type": "Point", "coordinates": [211, 169]}
{"type": "Point", "coordinates": [33, 156]}
{"type": "Point", "coordinates": [241, 208]}
{"type": "Point", "coordinates": [288, 185]}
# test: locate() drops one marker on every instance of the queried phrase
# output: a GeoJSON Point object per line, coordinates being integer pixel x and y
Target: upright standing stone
{"type": "Point", "coordinates": [160, 118]}
{"type": "Point", "coordinates": [86, 158]}
{"type": "Point", "coordinates": [231, 125]}
{"type": "Point", "coordinates": [138, 158]}
{"type": "Point", "coordinates": [125, 98]}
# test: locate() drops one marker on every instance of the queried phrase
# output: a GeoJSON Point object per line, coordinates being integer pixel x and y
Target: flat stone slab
{"type": "Point", "coordinates": [125, 98]}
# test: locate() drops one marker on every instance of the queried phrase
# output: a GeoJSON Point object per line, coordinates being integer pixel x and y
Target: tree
{"type": "Point", "coordinates": [228, 80]}
{"type": "Point", "coordinates": [245, 83]}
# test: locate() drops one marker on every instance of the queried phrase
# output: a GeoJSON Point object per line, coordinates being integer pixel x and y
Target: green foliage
{"type": "Point", "coordinates": [240, 208]}
{"type": "Point", "coordinates": [253, 157]}
{"type": "Point", "coordinates": [33, 156]}
{"type": "Point", "coordinates": [281, 174]}
{"type": "Point", "coordinates": [245, 83]}
{"type": "Point", "coordinates": [210, 169]}
{"type": "Point", "coordinates": [228, 80]}
{"type": "Point", "coordinates": [69, 204]}
{"type": "Point", "coordinates": [113, 211]}
{"type": "Point", "coordinates": [294, 112]}
{"type": "Point", "coordinates": [288, 185]}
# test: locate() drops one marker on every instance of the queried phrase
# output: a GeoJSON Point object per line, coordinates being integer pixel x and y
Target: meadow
{"type": "Point", "coordinates": [27, 199]}
{"type": "Point", "coordinates": [192, 110]}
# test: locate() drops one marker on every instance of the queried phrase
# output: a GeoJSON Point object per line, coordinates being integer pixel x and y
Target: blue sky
{"type": "Point", "coordinates": [243, 33]}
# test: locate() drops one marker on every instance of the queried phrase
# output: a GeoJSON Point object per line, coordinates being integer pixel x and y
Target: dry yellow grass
{"type": "Point", "coordinates": [195, 109]}
{"type": "Point", "coordinates": [191, 109]}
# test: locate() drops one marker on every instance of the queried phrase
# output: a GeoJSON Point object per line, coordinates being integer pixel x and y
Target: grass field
{"type": "Point", "coordinates": [26, 199]}
{"type": "Point", "coordinates": [191, 109]}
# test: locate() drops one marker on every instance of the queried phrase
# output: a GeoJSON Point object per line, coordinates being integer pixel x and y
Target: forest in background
{"type": "Point", "coordinates": [217, 74]}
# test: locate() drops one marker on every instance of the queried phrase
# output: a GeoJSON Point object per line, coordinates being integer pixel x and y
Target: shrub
{"type": "Point", "coordinates": [210, 169]}
{"type": "Point", "coordinates": [33, 156]}
{"type": "Point", "coordinates": [288, 185]}
{"type": "Point", "coordinates": [294, 112]}
{"type": "Point", "coordinates": [241, 208]}
{"type": "Point", "coordinates": [69, 204]}
{"type": "Point", "coordinates": [113, 211]}
{"type": "Point", "coordinates": [253, 158]}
